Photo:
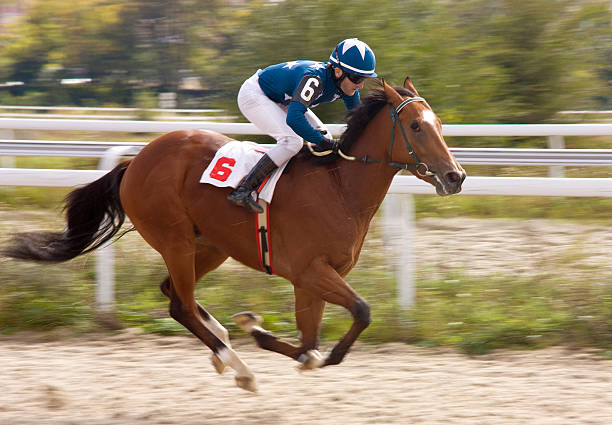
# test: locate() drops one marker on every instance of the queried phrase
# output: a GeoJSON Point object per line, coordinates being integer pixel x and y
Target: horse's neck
{"type": "Point", "coordinates": [365, 185]}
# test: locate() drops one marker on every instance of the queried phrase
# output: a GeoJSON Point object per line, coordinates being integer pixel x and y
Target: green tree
{"type": "Point", "coordinates": [475, 60]}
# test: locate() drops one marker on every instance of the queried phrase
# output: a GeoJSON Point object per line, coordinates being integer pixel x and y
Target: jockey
{"type": "Point", "coordinates": [277, 101]}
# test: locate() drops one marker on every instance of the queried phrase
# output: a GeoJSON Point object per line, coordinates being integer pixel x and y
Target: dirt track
{"type": "Point", "coordinates": [138, 379]}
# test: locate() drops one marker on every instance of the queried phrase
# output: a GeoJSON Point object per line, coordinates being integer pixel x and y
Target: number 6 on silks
{"type": "Point", "coordinates": [310, 87]}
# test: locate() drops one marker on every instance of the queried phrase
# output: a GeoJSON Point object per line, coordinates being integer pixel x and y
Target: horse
{"type": "Point", "coordinates": [318, 219]}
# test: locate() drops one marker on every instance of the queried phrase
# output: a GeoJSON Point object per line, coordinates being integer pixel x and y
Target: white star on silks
{"type": "Point", "coordinates": [290, 64]}
{"type": "Point", "coordinates": [318, 66]}
{"type": "Point", "coordinates": [353, 42]}
{"type": "Point", "coordinates": [287, 97]}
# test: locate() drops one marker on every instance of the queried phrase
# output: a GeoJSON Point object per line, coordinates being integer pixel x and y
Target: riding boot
{"type": "Point", "coordinates": [241, 196]}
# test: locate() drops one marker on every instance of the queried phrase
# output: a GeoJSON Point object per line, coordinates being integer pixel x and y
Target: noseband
{"type": "Point", "coordinates": [421, 168]}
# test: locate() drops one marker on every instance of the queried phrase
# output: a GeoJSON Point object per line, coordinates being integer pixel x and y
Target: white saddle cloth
{"type": "Point", "coordinates": [233, 161]}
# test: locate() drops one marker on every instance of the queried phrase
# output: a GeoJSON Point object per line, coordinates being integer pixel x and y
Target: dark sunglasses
{"type": "Point", "coordinates": [355, 79]}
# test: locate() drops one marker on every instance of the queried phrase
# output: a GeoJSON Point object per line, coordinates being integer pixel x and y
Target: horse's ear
{"type": "Point", "coordinates": [408, 85]}
{"type": "Point", "coordinates": [392, 96]}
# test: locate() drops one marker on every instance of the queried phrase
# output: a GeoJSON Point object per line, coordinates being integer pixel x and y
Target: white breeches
{"type": "Point", "coordinates": [271, 118]}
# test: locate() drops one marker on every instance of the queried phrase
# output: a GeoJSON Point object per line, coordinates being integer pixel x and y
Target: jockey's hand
{"type": "Point", "coordinates": [327, 145]}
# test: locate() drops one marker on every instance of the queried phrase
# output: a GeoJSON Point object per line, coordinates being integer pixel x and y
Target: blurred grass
{"type": "Point", "coordinates": [474, 314]}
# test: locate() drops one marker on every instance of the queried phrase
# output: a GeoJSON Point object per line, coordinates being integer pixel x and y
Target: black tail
{"type": "Point", "coordinates": [94, 215]}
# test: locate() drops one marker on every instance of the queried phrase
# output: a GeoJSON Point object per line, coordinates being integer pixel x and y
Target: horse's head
{"type": "Point", "coordinates": [417, 142]}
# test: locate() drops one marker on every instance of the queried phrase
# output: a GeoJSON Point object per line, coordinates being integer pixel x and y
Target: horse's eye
{"type": "Point", "coordinates": [415, 126]}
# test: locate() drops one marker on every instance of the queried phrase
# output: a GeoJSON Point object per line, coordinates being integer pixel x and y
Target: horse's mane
{"type": "Point", "coordinates": [356, 121]}
{"type": "Point", "coordinates": [358, 118]}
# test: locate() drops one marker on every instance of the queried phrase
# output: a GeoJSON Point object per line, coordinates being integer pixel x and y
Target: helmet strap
{"type": "Point", "coordinates": [337, 80]}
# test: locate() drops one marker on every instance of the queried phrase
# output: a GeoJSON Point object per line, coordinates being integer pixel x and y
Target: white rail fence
{"type": "Point", "coordinates": [398, 209]}
{"type": "Point", "coordinates": [131, 126]}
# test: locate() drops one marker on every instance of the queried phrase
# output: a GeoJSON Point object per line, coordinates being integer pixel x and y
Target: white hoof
{"type": "Point", "coordinates": [217, 363]}
{"type": "Point", "coordinates": [312, 359]}
{"type": "Point", "coordinates": [246, 383]}
{"type": "Point", "coordinates": [247, 320]}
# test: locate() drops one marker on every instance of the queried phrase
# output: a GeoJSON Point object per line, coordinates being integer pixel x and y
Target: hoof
{"type": "Point", "coordinates": [312, 359]}
{"type": "Point", "coordinates": [217, 363]}
{"type": "Point", "coordinates": [247, 320]}
{"type": "Point", "coordinates": [246, 383]}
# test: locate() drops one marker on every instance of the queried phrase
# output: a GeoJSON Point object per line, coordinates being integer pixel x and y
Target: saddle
{"type": "Point", "coordinates": [231, 164]}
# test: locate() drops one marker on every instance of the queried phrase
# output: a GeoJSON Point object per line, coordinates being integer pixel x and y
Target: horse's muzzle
{"type": "Point", "coordinates": [450, 182]}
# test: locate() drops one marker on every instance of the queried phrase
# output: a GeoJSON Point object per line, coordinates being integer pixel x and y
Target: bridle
{"type": "Point", "coordinates": [396, 121]}
{"type": "Point", "coordinates": [421, 168]}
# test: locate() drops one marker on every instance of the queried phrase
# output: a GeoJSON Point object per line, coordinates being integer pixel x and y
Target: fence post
{"type": "Point", "coordinates": [398, 235]}
{"type": "Point", "coordinates": [556, 142]}
{"type": "Point", "coordinates": [7, 161]}
{"type": "Point", "coordinates": [105, 255]}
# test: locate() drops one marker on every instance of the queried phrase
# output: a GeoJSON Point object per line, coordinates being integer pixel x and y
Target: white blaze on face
{"type": "Point", "coordinates": [430, 117]}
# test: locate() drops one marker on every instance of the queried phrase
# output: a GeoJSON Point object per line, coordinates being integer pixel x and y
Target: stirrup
{"type": "Point", "coordinates": [243, 198]}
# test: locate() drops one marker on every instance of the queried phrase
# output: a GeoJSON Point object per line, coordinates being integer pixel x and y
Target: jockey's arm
{"type": "Point", "coordinates": [298, 123]}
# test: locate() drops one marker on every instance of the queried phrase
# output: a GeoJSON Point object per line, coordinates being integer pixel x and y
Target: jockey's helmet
{"type": "Point", "coordinates": [355, 57]}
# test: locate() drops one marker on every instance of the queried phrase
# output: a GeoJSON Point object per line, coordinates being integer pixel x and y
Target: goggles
{"type": "Point", "coordinates": [355, 79]}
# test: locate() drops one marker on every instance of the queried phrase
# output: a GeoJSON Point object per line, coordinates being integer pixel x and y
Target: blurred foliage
{"type": "Point", "coordinates": [478, 61]}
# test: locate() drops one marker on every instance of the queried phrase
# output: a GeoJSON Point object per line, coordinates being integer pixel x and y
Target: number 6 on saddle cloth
{"type": "Point", "coordinates": [229, 166]}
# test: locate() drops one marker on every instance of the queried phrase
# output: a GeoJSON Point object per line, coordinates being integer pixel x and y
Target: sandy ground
{"type": "Point", "coordinates": [142, 379]}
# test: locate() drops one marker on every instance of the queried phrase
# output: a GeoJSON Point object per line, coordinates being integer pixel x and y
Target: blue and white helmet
{"type": "Point", "coordinates": [355, 57]}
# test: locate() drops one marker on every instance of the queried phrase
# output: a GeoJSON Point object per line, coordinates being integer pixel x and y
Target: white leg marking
{"type": "Point", "coordinates": [312, 359]}
{"type": "Point", "coordinates": [217, 329]}
{"type": "Point", "coordinates": [231, 359]}
{"type": "Point", "coordinates": [248, 321]}
{"type": "Point", "coordinates": [244, 377]}
{"type": "Point", "coordinates": [220, 332]}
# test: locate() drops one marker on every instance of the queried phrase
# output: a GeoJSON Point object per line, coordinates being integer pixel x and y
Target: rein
{"type": "Point", "coordinates": [419, 167]}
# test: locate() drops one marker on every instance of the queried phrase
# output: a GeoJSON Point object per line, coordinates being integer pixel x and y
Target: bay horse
{"type": "Point", "coordinates": [318, 219]}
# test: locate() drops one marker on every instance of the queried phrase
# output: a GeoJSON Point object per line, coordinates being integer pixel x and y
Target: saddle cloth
{"type": "Point", "coordinates": [233, 161]}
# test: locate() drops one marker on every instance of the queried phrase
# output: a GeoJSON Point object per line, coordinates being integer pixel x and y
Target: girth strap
{"type": "Point", "coordinates": [262, 221]}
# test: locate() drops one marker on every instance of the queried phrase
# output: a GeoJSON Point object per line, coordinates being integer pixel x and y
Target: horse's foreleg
{"type": "Point", "coordinates": [308, 314]}
{"type": "Point", "coordinates": [323, 281]}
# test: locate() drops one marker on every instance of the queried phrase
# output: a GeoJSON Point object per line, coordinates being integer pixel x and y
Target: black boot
{"type": "Point", "coordinates": [241, 196]}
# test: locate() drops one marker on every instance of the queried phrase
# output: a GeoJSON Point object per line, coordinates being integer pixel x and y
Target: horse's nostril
{"type": "Point", "coordinates": [453, 177]}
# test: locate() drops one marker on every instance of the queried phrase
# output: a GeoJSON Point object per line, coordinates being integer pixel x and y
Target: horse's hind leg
{"type": "Point", "coordinates": [207, 258]}
{"type": "Point", "coordinates": [308, 315]}
{"type": "Point", "coordinates": [180, 260]}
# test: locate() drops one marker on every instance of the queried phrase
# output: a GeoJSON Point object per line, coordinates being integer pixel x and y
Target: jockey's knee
{"type": "Point", "coordinates": [292, 144]}
{"type": "Point", "coordinates": [286, 147]}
